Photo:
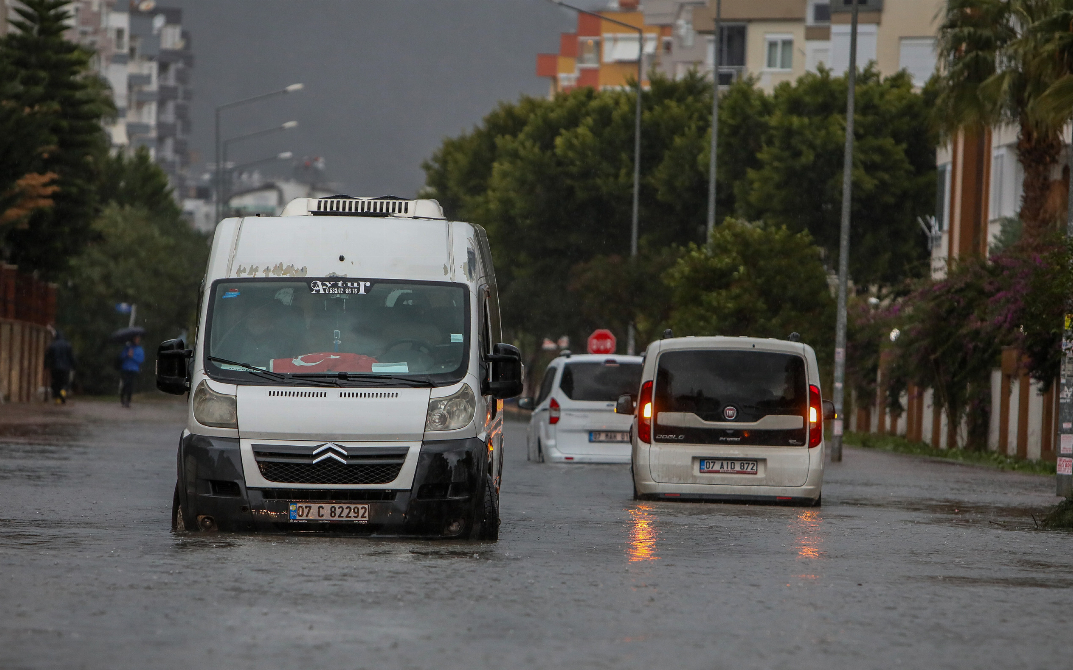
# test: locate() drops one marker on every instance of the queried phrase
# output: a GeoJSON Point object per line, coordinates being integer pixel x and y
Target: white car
{"type": "Point", "coordinates": [574, 419]}
{"type": "Point", "coordinates": [729, 418]}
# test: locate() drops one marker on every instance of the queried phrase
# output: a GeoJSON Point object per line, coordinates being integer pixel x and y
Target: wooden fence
{"type": "Point", "coordinates": [1023, 418]}
{"type": "Point", "coordinates": [27, 310]}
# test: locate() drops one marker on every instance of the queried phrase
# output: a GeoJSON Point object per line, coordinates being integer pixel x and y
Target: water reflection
{"type": "Point", "coordinates": [642, 546]}
{"type": "Point", "coordinates": [806, 528]}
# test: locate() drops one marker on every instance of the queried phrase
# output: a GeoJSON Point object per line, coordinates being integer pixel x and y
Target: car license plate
{"type": "Point", "coordinates": [609, 436]}
{"type": "Point", "coordinates": [302, 511]}
{"type": "Point", "coordinates": [726, 466]}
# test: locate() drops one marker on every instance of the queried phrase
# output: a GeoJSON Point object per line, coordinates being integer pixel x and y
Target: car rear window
{"type": "Point", "coordinates": [740, 386]}
{"type": "Point", "coordinates": [604, 381]}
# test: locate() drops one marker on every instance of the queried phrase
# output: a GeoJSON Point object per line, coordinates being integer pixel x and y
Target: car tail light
{"type": "Point", "coordinates": [815, 416]}
{"type": "Point", "coordinates": [553, 411]}
{"type": "Point", "coordinates": [644, 413]}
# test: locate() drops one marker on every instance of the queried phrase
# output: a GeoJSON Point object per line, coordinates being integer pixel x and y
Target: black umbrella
{"type": "Point", "coordinates": [126, 334]}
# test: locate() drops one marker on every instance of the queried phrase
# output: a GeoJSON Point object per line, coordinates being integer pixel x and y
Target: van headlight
{"type": "Point", "coordinates": [453, 412]}
{"type": "Point", "coordinates": [214, 409]}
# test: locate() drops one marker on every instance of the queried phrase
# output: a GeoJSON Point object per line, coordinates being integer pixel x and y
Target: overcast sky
{"type": "Point", "coordinates": [385, 80]}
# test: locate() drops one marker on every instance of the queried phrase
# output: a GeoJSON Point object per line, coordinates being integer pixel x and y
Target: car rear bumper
{"type": "Point", "coordinates": [611, 452]}
{"type": "Point", "coordinates": [441, 501]}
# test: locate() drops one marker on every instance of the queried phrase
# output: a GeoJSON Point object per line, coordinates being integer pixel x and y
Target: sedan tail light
{"type": "Point", "coordinates": [815, 416]}
{"type": "Point", "coordinates": [644, 413]}
{"type": "Point", "coordinates": [553, 411]}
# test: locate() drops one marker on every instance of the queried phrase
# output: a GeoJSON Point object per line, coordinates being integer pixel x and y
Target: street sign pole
{"type": "Point", "coordinates": [1064, 478]}
{"type": "Point", "coordinates": [843, 246]}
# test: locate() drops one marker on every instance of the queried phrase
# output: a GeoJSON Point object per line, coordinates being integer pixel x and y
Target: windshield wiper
{"type": "Point", "coordinates": [256, 371]}
{"type": "Point", "coordinates": [380, 380]}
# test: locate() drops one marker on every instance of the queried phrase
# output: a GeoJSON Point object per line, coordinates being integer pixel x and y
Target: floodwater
{"type": "Point", "coordinates": [906, 564]}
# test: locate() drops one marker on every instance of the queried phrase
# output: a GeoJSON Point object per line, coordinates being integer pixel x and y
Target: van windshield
{"type": "Point", "coordinates": [362, 327]}
{"type": "Point", "coordinates": [604, 381]}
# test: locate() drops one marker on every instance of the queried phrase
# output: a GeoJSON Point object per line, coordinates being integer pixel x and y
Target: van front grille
{"type": "Point", "coordinates": [329, 495]}
{"type": "Point", "coordinates": [329, 472]}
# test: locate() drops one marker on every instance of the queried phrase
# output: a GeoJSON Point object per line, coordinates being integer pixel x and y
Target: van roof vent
{"type": "Point", "coordinates": [383, 206]}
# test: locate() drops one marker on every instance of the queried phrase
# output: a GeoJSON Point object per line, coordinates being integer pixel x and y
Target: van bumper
{"type": "Point", "coordinates": [442, 500]}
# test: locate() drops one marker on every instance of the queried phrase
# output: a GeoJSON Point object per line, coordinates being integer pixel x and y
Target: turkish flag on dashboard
{"type": "Point", "coordinates": [326, 361]}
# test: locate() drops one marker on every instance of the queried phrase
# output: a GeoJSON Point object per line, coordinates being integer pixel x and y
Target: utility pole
{"type": "Point", "coordinates": [1064, 478]}
{"type": "Point", "coordinates": [843, 245]}
{"type": "Point", "coordinates": [715, 122]}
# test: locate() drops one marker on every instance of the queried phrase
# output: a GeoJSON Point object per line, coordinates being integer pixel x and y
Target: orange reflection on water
{"type": "Point", "coordinates": [642, 546]}
{"type": "Point", "coordinates": [807, 529]}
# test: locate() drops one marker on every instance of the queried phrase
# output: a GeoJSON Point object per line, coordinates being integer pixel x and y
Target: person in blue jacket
{"type": "Point", "coordinates": [133, 356]}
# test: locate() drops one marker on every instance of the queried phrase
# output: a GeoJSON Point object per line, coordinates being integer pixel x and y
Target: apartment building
{"type": "Point", "coordinates": [779, 40]}
{"type": "Point", "coordinates": [602, 54]}
{"type": "Point", "coordinates": [141, 49]}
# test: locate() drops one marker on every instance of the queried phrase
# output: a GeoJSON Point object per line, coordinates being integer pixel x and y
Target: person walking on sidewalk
{"type": "Point", "coordinates": [131, 364]}
{"type": "Point", "coordinates": [59, 361]}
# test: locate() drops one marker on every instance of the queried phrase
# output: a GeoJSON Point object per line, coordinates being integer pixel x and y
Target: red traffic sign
{"type": "Point", "coordinates": [602, 341]}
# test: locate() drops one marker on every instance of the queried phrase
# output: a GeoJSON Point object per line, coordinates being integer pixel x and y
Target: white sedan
{"type": "Point", "coordinates": [574, 419]}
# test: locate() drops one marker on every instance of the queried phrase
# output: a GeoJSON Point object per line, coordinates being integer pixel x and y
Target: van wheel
{"type": "Point", "coordinates": [818, 501]}
{"type": "Point", "coordinates": [540, 452]}
{"type": "Point", "coordinates": [178, 520]}
{"type": "Point", "coordinates": [487, 525]}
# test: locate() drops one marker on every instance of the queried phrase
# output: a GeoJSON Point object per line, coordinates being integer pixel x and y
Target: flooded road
{"type": "Point", "coordinates": [909, 563]}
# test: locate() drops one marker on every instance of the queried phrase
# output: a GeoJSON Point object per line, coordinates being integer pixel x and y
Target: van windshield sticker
{"type": "Point", "coordinates": [456, 337]}
{"type": "Point", "coordinates": [348, 287]}
{"type": "Point", "coordinates": [391, 367]}
{"type": "Point", "coordinates": [230, 293]}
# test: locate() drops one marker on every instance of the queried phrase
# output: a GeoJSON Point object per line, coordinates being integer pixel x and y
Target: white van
{"type": "Point", "coordinates": [728, 418]}
{"type": "Point", "coordinates": [346, 375]}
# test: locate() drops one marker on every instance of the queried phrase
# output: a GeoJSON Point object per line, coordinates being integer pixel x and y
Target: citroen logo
{"type": "Point", "coordinates": [329, 450]}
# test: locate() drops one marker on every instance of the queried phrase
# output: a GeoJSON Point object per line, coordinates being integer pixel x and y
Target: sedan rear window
{"type": "Point", "coordinates": [729, 387]}
{"type": "Point", "coordinates": [600, 381]}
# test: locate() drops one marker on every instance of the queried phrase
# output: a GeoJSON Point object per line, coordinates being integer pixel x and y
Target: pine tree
{"type": "Point", "coordinates": [55, 82]}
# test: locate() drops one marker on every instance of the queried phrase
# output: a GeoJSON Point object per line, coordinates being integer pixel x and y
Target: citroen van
{"type": "Point", "coordinates": [728, 418]}
{"type": "Point", "coordinates": [346, 375]}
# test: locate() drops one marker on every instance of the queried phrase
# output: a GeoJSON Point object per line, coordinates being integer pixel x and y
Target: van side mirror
{"type": "Point", "coordinates": [506, 372]}
{"type": "Point", "coordinates": [624, 404]}
{"type": "Point", "coordinates": [828, 410]}
{"type": "Point", "coordinates": [525, 403]}
{"type": "Point", "coordinates": [173, 367]}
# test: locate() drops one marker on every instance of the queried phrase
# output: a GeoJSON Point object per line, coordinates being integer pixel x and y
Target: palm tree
{"type": "Point", "coordinates": [994, 71]}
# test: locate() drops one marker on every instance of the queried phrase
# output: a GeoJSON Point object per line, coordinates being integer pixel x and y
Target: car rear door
{"type": "Point", "coordinates": [730, 404]}
{"type": "Point", "coordinates": [586, 393]}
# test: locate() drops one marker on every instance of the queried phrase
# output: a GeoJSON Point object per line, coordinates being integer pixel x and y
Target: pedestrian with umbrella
{"type": "Point", "coordinates": [130, 361]}
{"type": "Point", "coordinates": [60, 362]}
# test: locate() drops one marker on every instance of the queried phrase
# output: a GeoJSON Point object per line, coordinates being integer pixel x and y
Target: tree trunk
{"type": "Point", "coordinates": [1038, 154]}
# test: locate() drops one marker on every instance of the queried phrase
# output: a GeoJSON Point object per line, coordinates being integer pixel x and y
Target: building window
{"type": "Point", "coordinates": [731, 47]}
{"type": "Point", "coordinates": [819, 13]}
{"type": "Point", "coordinates": [942, 196]}
{"type": "Point", "coordinates": [780, 52]}
{"type": "Point", "coordinates": [589, 52]}
{"type": "Point", "coordinates": [120, 39]}
{"type": "Point", "coordinates": [916, 55]}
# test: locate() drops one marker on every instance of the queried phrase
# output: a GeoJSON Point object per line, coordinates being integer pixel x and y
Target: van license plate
{"type": "Point", "coordinates": [722, 466]}
{"type": "Point", "coordinates": [302, 511]}
{"type": "Point", "coordinates": [609, 436]}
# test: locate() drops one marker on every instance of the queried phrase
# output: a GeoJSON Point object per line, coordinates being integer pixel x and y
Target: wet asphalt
{"type": "Point", "coordinates": [909, 563]}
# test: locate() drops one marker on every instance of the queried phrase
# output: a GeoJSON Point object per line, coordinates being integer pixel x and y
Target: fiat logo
{"type": "Point", "coordinates": [730, 413]}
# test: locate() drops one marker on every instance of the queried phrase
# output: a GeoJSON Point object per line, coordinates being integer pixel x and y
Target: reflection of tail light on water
{"type": "Point", "coordinates": [807, 529]}
{"type": "Point", "coordinates": [642, 546]}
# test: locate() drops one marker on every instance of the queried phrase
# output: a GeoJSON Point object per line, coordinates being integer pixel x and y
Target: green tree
{"type": "Point", "coordinates": [136, 181]}
{"type": "Point", "coordinates": [52, 79]}
{"type": "Point", "coordinates": [798, 180]}
{"type": "Point", "coordinates": [758, 279]}
{"type": "Point", "coordinates": [137, 257]}
{"type": "Point", "coordinates": [997, 69]}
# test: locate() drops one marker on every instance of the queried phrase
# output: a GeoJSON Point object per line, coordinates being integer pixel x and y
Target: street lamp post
{"type": "Point", "coordinates": [715, 121]}
{"type": "Point", "coordinates": [245, 101]}
{"type": "Point", "coordinates": [225, 184]}
{"type": "Point", "coordinates": [631, 336]}
{"type": "Point", "coordinates": [843, 245]}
